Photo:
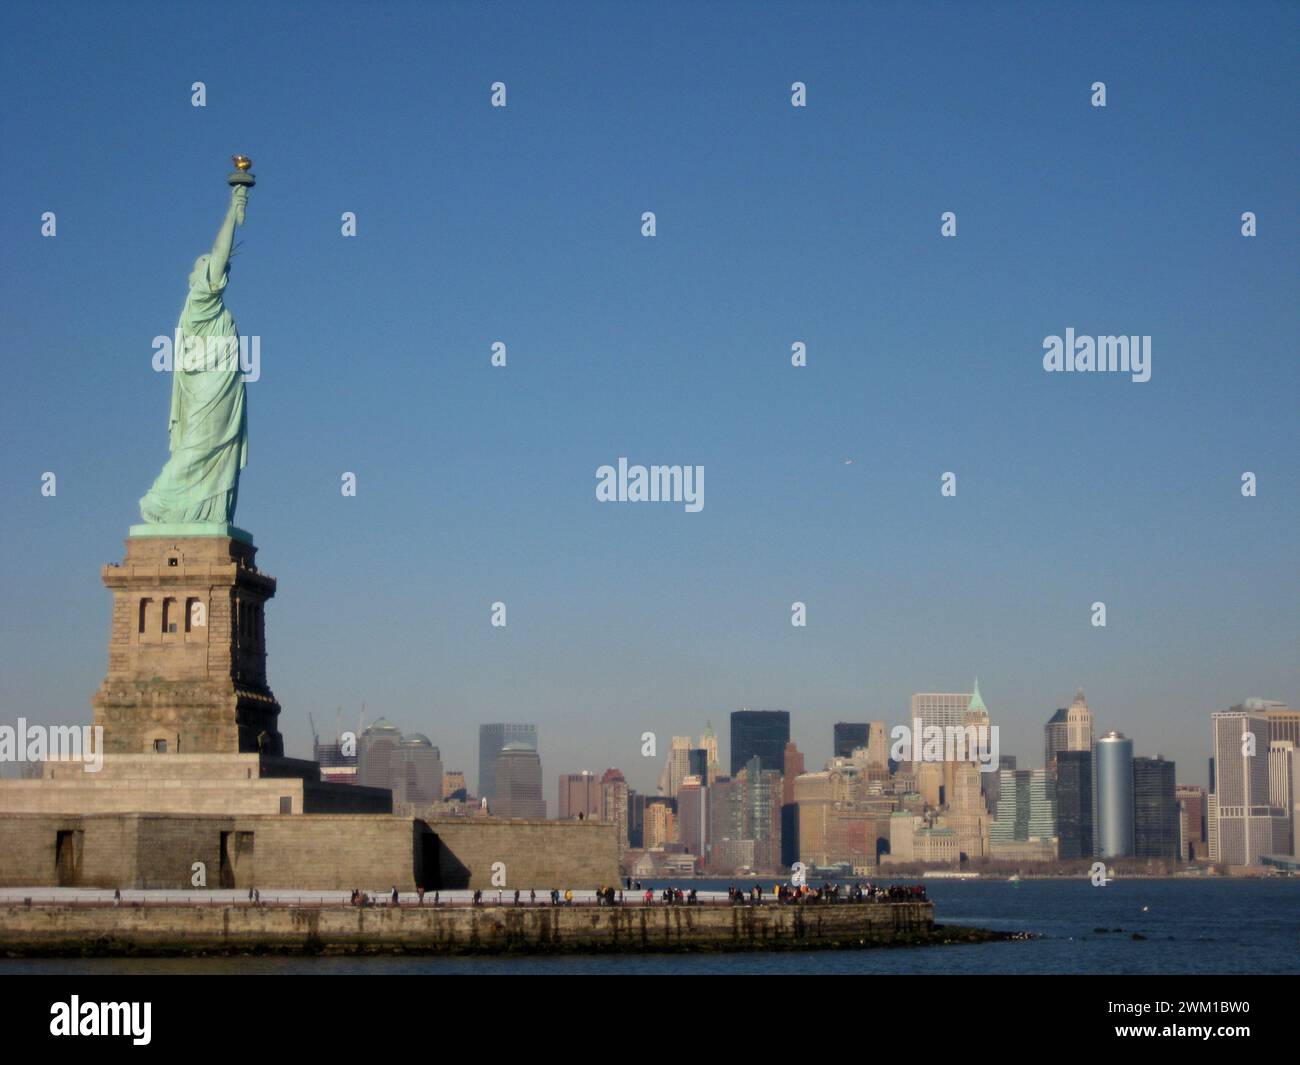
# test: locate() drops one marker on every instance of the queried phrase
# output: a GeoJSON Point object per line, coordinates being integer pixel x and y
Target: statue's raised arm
{"type": "Point", "coordinates": [220, 258]}
{"type": "Point", "coordinates": [240, 182]}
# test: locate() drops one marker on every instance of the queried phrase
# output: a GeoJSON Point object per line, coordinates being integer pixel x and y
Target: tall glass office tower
{"type": "Point", "coordinates": [1074, 804]}
{"type": "Point", "coordinates": [762, 734]}
{"type": "Point", "coordinates": [1155, 809]}
{"type": "Point", "coordinates": [849, 734]}
{"type": "Point", "coordinates": [1114, 796]}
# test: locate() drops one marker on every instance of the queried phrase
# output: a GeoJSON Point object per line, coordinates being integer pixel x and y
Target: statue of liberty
{"type": "Point", "coordinates": [207, 427]}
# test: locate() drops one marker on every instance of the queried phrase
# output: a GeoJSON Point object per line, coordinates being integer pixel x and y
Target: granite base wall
{"type": "Point", "coordinates": [305, 851]}
{"type": "Point", "coordinates": [532, 854]}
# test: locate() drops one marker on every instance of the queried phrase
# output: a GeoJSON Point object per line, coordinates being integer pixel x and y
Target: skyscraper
{"type": "Point", "coordinates": [726, 823]}
{"type": "Point", "coordinates": [579, 794]}
{"type": "Point", "coordinates": [760, 791]}
{"type": "Point", "coordinates": [1241, 817]}
{"type": "Point", "coordinates": [1283, 722]}
{"type": "Point", "coordinates": [693, 816]}
{"type": "Point", "coordinates": [792, 767]}
{"type": "Point", "coordinates": [1155, 809]}
{"type": "Point", "coordinates": [1114, 796]}
{"type": "Point", "coordinates": [1026, 807]}
{"type": "Point", "coordinates": [877, 748]}
{"type": "Point", "coordinates": [941, 708]}
{"type": "Point", "coordinates": [491, 739]}
{"type": "Point", "coordinates": [1282, 794]}
{"type": "Point", "coordinates": [849, 735]}
{"type": "Point", "coordinates": [614, 804]}
{"type": "Point", "coordinates": [709, 743]}
{"type": "Point", "coordinates": [679, 765]}
{"type": "Point", "coordinates": [337, 760]}
{"type": "Point", "coordinates": [376, 753]}
{"type": "Point", "coordinates": [660, 822]}
{"type": "Point", "coordinates": [517, 780]}
{"type": "Point", "coordinates": [1079, 724]}
{"type": "Point", "coordinates": [1074, 804]}
{"type": "Point", "coordinates": [1056, 738]}
{"type": "Point", "coordinates": [636, 804]}
{"type": "Point", "coordinates": [760, 734]}
{"type": "Point", "coordinates": [976, 713]}
{"type": "Point", "coordinates": [1069, 729]}
{"type": "Point", "coordinates": [992, 782]}
{"type": "Point", "coordinates": [1191, 809]}
{"type": "Point", "coordinates": [697, 764]}
{"type": "Point", "coordinates": [966, 813]}
{"type": "Point", "coordinates": [416, 771]}
{"type": "Point", "coordinates": [409, 766]}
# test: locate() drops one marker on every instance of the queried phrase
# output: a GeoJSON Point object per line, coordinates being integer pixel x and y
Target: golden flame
{"type": "Point", "coordinates": [242, 162]}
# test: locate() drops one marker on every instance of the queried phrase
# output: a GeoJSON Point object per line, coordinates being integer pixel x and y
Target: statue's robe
{"type": "Point", "coordinates": [207, 427]}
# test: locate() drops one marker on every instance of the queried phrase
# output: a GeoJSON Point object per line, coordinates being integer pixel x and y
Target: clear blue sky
{"type": "Point", "coordinates": [775, 224]}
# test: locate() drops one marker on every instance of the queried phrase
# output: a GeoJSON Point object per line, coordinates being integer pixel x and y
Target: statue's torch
{"type": "Point", "coordinates": [242, 177]}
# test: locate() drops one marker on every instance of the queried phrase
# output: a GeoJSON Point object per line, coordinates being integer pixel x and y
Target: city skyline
{"type": "Point", "coordinates": [1095, 797]}
{"type": "Point", "coordinates": [645, 773]}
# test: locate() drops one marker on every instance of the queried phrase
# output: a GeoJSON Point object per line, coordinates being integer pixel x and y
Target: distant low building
{"type": "Point", "coordinates": [453, 784]}
{"type": "Point", "coordinates": [579, 795]}
{"type": "Point", "coordinates": [1023, 850]}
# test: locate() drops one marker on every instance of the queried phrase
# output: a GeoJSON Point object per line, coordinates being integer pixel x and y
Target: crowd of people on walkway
{"type": "Point", "coordinates": [858, 892]}
{"type": "Point", "coordinates": [863, 891]}
{"type": "Point", "coordinates": [796, 893]}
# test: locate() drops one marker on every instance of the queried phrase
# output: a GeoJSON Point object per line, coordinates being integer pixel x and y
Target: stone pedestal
{"type": "Point", "coordinates": [187, 653]}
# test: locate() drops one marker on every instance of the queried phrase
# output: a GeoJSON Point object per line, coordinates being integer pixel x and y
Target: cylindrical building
{"type": "Point", "coordinates": [1114, 796]}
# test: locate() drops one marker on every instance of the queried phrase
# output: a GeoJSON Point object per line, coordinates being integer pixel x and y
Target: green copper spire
{"type": "Point", "coordinates": [977, 703]}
